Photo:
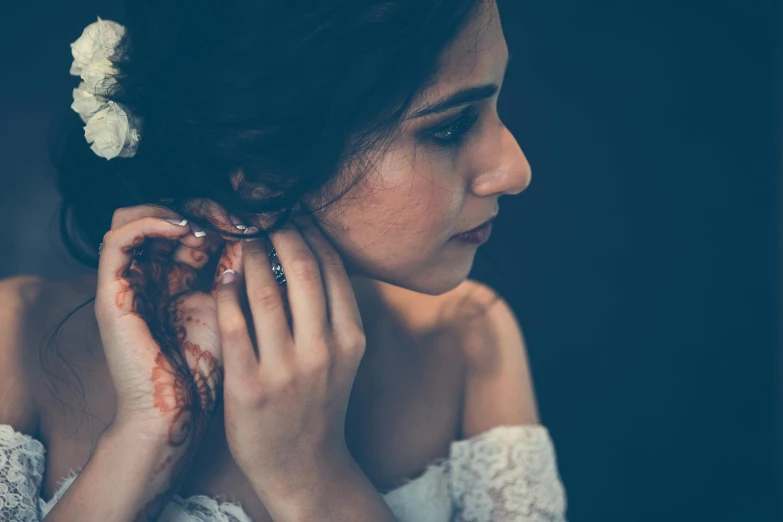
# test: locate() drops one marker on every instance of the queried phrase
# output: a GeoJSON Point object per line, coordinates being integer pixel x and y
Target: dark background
{"type": "Point", "coordinates": [643, 261]}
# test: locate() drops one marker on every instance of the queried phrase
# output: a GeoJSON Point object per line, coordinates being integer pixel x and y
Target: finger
{"type": "Point", "coordinates": [343, 308]}
{"type": "Point", "coordinates": [266, 303]}
{"type": "Point", "coordinates": [305, 285]}
{"type": "Point", "coordinates": [230, 259]}
{"type": "Point", "coordinates": [227, 249]}
{"type": "Point", "coordinates": [182, 266]}
{"type": "Point", "coordinates": [125, 215]}
{"type": "Point", "coordinates": [194, 257]}
{"type": "Point", "coordinates": [178, 261]}
{"type": "Point", "coordinates": [114, 286]}
{"type": "Point", "coordinates": [239, 359]}
{"type": "Point", "coordinates": [213, 244]}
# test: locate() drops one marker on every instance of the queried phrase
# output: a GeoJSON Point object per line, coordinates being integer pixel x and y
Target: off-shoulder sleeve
{"type": "Point", "coordinates": [21, 474]}
{"type": "Point", "coordinates": [507, 474]}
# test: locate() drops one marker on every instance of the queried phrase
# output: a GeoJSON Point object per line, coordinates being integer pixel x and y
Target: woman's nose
{"type": "Point", "coordinates": [506, 169]}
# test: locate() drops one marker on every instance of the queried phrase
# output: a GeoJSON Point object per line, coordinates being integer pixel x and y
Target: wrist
{"type": "Point", "coordinates": [145, 439]}
{"type": "Point", "coordinates": [293, 478]}
{"type": "Point", "coordinates": [153, 431]}
{"type": "Point", "coordinates": [149, 451]}
{"type": "Point", "coordinates": [303, 496]}
{"type": "Point", "coordinates": [120, 458]}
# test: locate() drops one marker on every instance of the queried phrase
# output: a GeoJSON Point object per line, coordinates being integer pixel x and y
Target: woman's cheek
{"type": "Point", "coordinates": [400, 214]}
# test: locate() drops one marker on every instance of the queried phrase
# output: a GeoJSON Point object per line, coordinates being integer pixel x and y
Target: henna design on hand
{"type": "Point", "coordinates": [186, 379]}
{"type": "Point", "coordinates": [174, 395]}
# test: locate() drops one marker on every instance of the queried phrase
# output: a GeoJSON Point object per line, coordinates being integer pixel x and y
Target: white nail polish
{"type": "Point", "coordinates": [181, 223]}
{"type": "Point", "coordinates": [197, 230]}
{"type": "Point", "coordinates": [236, 222]}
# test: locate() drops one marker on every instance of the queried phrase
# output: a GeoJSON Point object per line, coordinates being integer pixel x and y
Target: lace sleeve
{"type": "Point", "coordinates": [507, 474]}
{"type": "Point", "coordinates": [21, 473]}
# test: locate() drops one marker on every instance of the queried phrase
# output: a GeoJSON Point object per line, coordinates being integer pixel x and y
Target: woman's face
{"type": "Point", "coordinates": [396, 225]}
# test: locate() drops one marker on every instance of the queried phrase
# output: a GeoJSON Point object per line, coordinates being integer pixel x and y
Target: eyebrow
{"type": "Point", "coordinates": [460, 97]}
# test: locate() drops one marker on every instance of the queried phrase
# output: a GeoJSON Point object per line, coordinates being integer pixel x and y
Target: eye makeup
{"type": "Point", "coordinates": [454, 131]}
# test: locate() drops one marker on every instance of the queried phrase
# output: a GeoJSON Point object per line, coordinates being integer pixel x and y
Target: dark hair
{"type": "Point", "coordinates": [286, 93]}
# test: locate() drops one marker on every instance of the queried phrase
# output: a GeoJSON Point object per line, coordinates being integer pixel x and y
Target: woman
{"type": "Point", "coordinates": [281, 326]}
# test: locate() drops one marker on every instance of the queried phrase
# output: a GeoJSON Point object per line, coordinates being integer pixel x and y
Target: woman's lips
{"type": "Point", "coordinates": [478, 235]}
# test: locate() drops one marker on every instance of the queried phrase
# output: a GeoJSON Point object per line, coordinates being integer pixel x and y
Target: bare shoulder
{"type": "Point", "coordinates": [470, 301]}
{"type": "Point", "coordinates": [50, 351]}
{"type": "Point", "coordinates": [498, 382]}
{"type": "Point", "coordinates": [19, 321]}
{"type": "Point", "coordinates": [474, 310]}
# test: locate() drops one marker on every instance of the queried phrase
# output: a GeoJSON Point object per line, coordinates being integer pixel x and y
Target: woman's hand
{"type": "Point", "coordinates": [286, 388]}
{"type": "Point", "coordinates": [158, 292]}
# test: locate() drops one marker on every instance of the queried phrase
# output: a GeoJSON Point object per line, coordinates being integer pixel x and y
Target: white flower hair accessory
{"type": "Point", "coordinates": [109, 129]}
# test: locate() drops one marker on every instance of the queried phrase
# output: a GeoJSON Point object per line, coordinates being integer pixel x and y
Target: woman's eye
{"type": "Point", "coordinates": [453, 133]}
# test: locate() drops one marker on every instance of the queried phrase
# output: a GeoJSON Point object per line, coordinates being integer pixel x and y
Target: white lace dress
{"type": "Point", "coordinates": [506, 474]}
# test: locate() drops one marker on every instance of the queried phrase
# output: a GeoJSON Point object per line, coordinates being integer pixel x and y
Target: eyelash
{"type": "Point", "coordinates": [457, 130]}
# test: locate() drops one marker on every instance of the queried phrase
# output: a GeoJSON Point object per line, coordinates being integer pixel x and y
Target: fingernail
{"type": "Point", "coordinates": [227, 276]}
{"type": "Point", "coordinates": [236, 222]}
{"type": "Point", "coordinates": [180, 222]}
{"type": "Point", "coordinates": [197, 231]}
{"type": "Point", "coordinates": [250, 230]}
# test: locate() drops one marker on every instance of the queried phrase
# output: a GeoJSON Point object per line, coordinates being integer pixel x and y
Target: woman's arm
{"type": "Point", "coordinates": [127, 478]}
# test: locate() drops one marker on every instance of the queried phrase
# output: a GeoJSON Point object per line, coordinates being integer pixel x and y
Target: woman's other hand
{"type": "Point", "coordinates": [158, 292]}
{"type": "Point", "coordinates": [290, 362]}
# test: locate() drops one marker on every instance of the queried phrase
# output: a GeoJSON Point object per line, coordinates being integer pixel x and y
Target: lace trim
{"type": "Point", "coordinates": [507, 474]}
{"type": "Point", "coordinates": [21, 474]}
{"type": "Point", "coordinates": [423, 499]}
{"type": "Point", "coordinates": [201, 507]}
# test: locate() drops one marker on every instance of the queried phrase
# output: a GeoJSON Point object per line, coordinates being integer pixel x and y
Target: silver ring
{"type": "Point", "coordinates": [99, 248]}
{"type": "Point", "coordinates": [277, 269]}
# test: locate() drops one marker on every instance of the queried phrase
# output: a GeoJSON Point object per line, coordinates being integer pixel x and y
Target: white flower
{"type": "Point", "coordinates": [92, 50]}
{"type": "Point", "coordinates": [86, 102]}
{"type": "Point", "coordinates": [110, 130]}
{"type": "Point", "coordinates": [110, 134]}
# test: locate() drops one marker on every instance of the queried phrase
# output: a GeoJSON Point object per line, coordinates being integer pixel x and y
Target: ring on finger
{"type": "Point", "coordinates": [277, 268]}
